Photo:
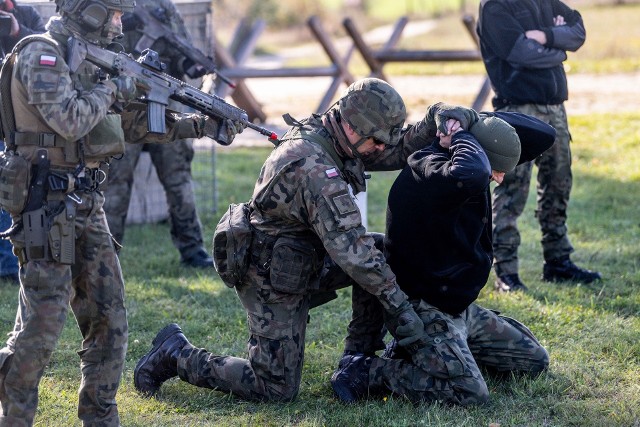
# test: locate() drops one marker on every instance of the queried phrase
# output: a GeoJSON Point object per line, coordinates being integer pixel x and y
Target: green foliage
{"type": "Point", "coordinates": [591, 331]}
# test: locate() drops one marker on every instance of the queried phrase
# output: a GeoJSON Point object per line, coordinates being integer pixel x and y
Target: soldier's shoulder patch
{"type": "Point", "coordinates": [332, 173]}
{"type": "Point", "coordinates": [48, 60]}
{"type": "Point", "coordinates": [343, 203]}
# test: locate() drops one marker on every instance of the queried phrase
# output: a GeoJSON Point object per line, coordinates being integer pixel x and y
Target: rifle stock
{"type": "Point", "coordinates": [162, 87]}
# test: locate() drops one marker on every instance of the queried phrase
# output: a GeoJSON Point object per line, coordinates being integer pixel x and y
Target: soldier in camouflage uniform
{"type": "Point", "coordinates": [308, 239]}
{"type": "Point", "coordinates": [438, 242]}
{"type": "Point", "coordinates": [172, 161]}
{"type": "Point", "coordinates": [524, 44]}
{"type": "Point", "coordinates": [64, 132]}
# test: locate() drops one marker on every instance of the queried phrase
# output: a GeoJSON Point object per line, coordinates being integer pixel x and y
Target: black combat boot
{"type": "Point", "coordinates": [350, 381]}
{"type": "Point", "coordinates": [563, 269]}
{"type": "Point", "coordinates": [161, 363]}
{"type": "Point", "coordinates": [200, 259]}
{"type": "Point", "coordinates": [509, 283]}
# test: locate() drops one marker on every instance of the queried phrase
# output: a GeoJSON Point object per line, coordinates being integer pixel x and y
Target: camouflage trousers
{"type": "Point", "coordinates": [93, 286]}
{"type": "Point", "coordinates": [277, 321]}
{"type": "Point", "coordinates": [553, 191]}
{"type": "Point", "coordinates": [445, 366]}
{"type": "Point", "coordinates": [173, 165]}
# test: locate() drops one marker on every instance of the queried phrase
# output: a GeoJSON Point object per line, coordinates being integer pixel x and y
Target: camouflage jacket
{"type": "Point", "coordinates": [48, 97]}
{"type": "Point", "coordinates": [302, 192]}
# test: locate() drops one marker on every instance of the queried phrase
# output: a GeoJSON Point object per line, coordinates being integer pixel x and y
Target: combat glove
{"type": "Point", "coordinates": [192, 69]}
{"type": "Point", "coordinates": [223, 131]}
{"type": "Point", "coordinates": [410, 327]}
{"type": "Point", "coordinates": [129, 88]}
{"type": "Point", "coordinates": [439, 113]}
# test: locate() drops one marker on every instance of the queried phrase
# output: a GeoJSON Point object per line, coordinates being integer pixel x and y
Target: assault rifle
{"type": "Point", "coordinates": [155, 27]}
{"type": "Point", "coordinates": [162, 87]}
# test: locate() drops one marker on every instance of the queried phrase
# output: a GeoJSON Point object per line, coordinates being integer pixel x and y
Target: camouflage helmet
{"type": "Point", "coordinates": [374, 110]}
{"type": "Point", "coordinates": [92, 17]}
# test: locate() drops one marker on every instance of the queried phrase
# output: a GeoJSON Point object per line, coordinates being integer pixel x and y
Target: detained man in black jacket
{"type": "Point", "coordinates": [438, 243]}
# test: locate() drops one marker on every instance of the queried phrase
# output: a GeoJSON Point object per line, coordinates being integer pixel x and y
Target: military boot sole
{"type": "Point", "coordinates": [164, 334]}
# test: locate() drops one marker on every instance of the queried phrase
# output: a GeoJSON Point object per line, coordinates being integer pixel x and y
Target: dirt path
{"type": "Point", "coordinates": [300, 96]}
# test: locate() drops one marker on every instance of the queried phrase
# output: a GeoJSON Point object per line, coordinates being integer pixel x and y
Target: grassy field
{"type": "Point", "coordinates": [590, 331]}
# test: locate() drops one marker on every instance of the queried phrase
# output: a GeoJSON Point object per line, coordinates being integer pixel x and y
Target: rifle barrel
{"type": "Point", "coordinates": [272, 135]}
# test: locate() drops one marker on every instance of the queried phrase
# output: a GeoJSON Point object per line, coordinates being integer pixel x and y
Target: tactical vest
{"type": "Point", "coordinates": [103, 142]}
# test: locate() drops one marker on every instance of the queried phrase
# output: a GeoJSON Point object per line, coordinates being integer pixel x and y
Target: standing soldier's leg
{"type": "Point", "coordinates": [8, 261]}
{"type": "Point", "coordinates": [554, 187]}
{"type": "Point", "coordinates": [118, 190]}
{"type": "Point", "coordinates": [509, 200]}
{"type": "Point", "coordinates": [98, 305]}
{"type": "Point", "coordinates": [173, 164]}
{"type": "Point", "coordinates": [43, 303]}
{"type": "Point", "coordinates": [503, 344]}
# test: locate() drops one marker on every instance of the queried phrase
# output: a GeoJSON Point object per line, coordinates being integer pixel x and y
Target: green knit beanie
{"type": "Point", "coordinates": [499, 140]}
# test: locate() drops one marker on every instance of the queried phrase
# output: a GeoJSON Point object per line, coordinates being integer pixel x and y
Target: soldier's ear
{"type": "Point", "coordinates": [348, 129]}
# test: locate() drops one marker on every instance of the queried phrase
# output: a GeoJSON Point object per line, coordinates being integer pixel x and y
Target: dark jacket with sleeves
{"type": "Point", "coordinates": [521, 70]}
{"type": "Point", "coordinates": [438, 238]}
{"type": "Point", "coordinates": [30, 23]}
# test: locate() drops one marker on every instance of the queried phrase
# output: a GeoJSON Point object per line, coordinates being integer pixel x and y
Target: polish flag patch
{"type": "Point", "coordinates": [332, 173]}
{"type": "Point", "coordinates": [48, 60]}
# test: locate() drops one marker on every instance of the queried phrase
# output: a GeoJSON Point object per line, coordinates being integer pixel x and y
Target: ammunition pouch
{"type": "Point", "coordinates": [105, 140]}
{"type": "Point", "coordinates": [232, 244]}
{"type": "Point", "coordinates": [14, 182]}
{"type": "Point", "coordinates": [295, 262]}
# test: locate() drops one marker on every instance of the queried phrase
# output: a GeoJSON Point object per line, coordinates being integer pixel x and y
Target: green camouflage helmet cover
{"type": "Point", "coordinates": [93, 18]}
{"type": "Point", "coordinates": [77, 6]}
{"type": "Point", "coordinates": [374, 109]}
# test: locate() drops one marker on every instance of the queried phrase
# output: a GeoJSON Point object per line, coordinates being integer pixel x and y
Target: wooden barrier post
{"type": "Point", "coordinates": [485, 89]}
{"type": "Point", "coordinates": [243, 44]}
{"type": "Point", "coordinates": [377, 59]}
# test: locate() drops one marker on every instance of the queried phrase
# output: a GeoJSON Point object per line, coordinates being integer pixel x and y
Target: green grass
{"type": "Point", "coordinates": [590, 331]}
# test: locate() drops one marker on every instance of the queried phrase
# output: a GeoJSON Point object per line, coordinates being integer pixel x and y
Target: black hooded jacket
{"type": "Point", "coordinates": [438, 237]}
{"type": "Point", "coordinates": [521, 70]}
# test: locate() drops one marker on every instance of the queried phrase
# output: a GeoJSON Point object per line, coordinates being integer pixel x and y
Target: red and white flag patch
{"type": "Point", "coordinates": [48, 60]}
{"type": "Point", "coordinates": [332, 173]}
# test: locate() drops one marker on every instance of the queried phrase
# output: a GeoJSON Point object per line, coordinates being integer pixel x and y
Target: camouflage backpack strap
{"type": "Point", "coordinates": [7, 117]}
{"type": "Point", "coordinates": [319, 135]}
{"type": "Point", "coordinates": [322, 138]}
